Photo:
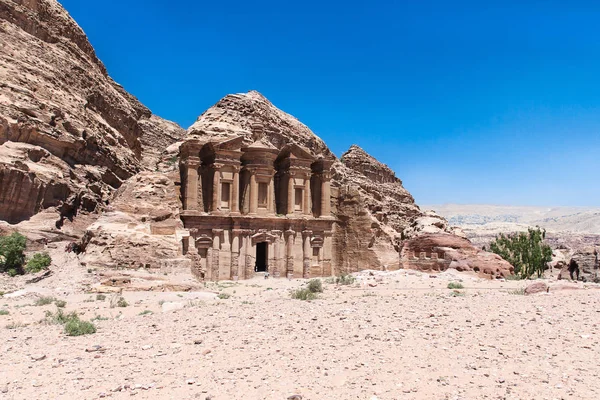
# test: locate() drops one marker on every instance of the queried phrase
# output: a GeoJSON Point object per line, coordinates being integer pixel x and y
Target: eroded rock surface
{"type": "Point", "coordinates": [55, 94]}
{"type": "Point", "coordinates": [140, 228]}
{"type": "Point", "coordinates": [440, 251]}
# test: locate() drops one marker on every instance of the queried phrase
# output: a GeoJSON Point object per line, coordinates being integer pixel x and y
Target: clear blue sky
{"type": "Point", "coordinates": [468, 101]}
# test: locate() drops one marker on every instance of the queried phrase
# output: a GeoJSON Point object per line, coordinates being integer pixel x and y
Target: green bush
{"type": "Point", "coordinates": [122, 302]}
{"type": "Point", "coordinates": [223, 296]}
{"type": "Point", "coordinates": [303, 294]}
{"type": "Point", "coordinates": [12, 272]}
{"type": "Point", "coordinates": [100, 297]}
{"type": "Point", "coordinates": [525, 251]}
{"type": "Point", "coordinates": [77, 327]}
{"type": "Point", "coordinates": [73, 325]}
{"type": "Point", "coordinates": [455, 285]}
{"type": "Point", "coordinates": [315, 286]}
{"type": "Point", "coordinates": [60, 303]}
{"type": "Point", "coordinates": [4, 312]}
{"type": "Point", "coordinates": [44, 301]}
{"type": "Point", "coordinates": [38, 262]}
{"type": "Point", "coordinates": [345, 279]}
{"type": "Point", "coordinates": [12, 254]}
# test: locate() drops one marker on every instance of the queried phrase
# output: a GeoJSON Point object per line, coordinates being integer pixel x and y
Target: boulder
{"type": "Point", "coordinates": [536, 287]}
{"type": "Point", "coordinates": [440, 251]}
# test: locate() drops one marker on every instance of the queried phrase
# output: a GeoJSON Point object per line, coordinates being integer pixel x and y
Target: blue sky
{"type": "Point", "coordinates": [469, 102]}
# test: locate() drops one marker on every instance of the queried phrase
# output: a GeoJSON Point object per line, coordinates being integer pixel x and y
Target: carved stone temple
{"type": "Point", "coordinates": [255, 208]}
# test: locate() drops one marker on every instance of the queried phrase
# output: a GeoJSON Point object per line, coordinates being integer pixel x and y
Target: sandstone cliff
{"type": "Point", "coordinates": [56, 96]}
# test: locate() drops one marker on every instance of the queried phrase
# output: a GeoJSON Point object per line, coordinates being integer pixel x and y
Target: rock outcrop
{"type": "Point", "coordinates": [140, 228]}
{"type": "Point", "coordinates": [56, 95]}
{"type": "Point", "coordinates": [440, 251]}
{"type": "Point", "coordinates": [235, 114]}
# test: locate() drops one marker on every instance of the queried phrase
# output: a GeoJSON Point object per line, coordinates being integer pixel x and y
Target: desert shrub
{"type": "Point", "coordinates": [345, 279]}
{"type": "Point", "coordinates": [456, 293]}
{"type": "Point", "coordinates": [12, 272]}
{"type": "Point", "coordinates": [520, 291]}
{"type": "Point", "coordinates": [77, 327]}
{"type": "Point", "coordinates": [60, 303]}
{"type": "Point", "coordinates": [15, 325]}
{"type": "Point", "coordinates": [122, 302]}
{"type": "Point", "coordinates": [223, 296]}
{"type": "Point", "coordinates": [73, 325]}
{"type": "Point", "coordinates": [12, 254]}
{"type": "Point", "coordinates": [4, 312]}
{"type": "Point", "coordinates": [525, 251]}
{"type": "Point", "coordinates": [146, 312]}
{"type": "Point", "coordinates": [100, 297]}
{"type": "Point", "coordinates": [455, 285]}
{"type": "Point", "coordinates": [315, 286]}
{"type": "Point", "coordinates": [303, 294]}
{"type": "Point", "coordinates": [44, 301]}
{"type": "Point", "coordinates": [38, 262]}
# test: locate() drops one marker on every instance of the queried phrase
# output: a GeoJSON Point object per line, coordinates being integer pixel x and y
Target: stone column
{"type": "Point", "coordinates": [289, 253]}
{"type": "Point", "coordinates": [291, 191]}
{"type": "Point", "coordinates": [306, 254]}
{"type": "Point", "coordinates": [271, 196]}
{"type": "Point", "coordinates": [307, 198]}
{"type": "Point", "coordinates": [325, 195]}
{"type": "Point", "coordinates": [253, 194]}
{"type": "Point", "coordinates": [277, 254]}
{"type": "Point", "coordinates": [235, 254]}
{"type": "Point", "coordinates": [216, 200]}
{"type": "Point", "coordinates": [191, 183]}
{"type": "Point", "coordinates": [249, 265]}
{"type": "Point", "coordinates": [215, 254]}
{"type": "Point", "coordinates": [235, 192]}
{"type": "Point", "coordinates": [327, 247]}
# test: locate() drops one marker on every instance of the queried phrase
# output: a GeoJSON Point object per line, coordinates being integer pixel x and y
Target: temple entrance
{"type": "Point", "coordinates": [262, 255]}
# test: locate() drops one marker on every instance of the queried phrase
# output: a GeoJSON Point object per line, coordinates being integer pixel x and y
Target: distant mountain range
{"type": "Point", "coordinates": [584, 220]}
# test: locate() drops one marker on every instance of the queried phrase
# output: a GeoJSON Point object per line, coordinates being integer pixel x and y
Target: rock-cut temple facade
{"type": "Point", "coordinates": [255, 209]}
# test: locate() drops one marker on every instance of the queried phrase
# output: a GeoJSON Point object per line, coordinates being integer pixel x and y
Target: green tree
{"type": "Point", "coordinates": [526, 251]}
{"type": "Point", "coordinates": [38, 262]}
{"type": "Point", "coordinates": [12, 254]}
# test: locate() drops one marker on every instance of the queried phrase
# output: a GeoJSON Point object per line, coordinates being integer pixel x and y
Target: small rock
{"type": "Point", "coordinates": [205, 352]}
{"type": "Point", "coordinates": [38, 357]}
{"type": "Point", "coordinates": [537, 287]}
{"type": "Point", "coordinates": [295, 397]}
{"type": "Point", "coordinates": [190, 381]}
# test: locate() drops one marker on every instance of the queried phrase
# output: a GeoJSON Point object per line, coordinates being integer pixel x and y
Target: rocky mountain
{"type": "Point", "coordinates": [79, 133]}
{"type": "Point", "coordinates": [77, 150]}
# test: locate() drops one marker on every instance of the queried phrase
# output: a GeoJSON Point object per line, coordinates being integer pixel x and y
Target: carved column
{"type": "Point", "coordinates": [235, 193]}
{"type": "Point", "coordinates": [253, 193]}
{"type": "Point", "coordinates": [327, 247]}
{"type": "Point", "coordinates": [216, 200]}
{"type": "Point", "coordinates": [306, 254]}
{"type": "Point", "coordinates": [307, 198]}
{"type": "Point", "coordinates": [235, 254]}
{"type": "Point", "coordinates": [249, 265]}
{"type": "Point", "coordinates": [277, 254]}
{"type": "Point", "coordinates": [271, 196]}
{"type": "Point", "coordinates": [215, 253]}
{"type": "Point", "coordinates": [289, 253]}
{"type": "Point", "coordinates": [325, 195]}
{"type": "Point", "coordinates": [191, 183]}
{"type": "Point", "coordinates": [291, 190]}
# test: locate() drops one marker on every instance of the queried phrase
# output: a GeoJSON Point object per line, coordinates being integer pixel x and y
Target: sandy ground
{"type": "Point", "coordinates": [399, 335]}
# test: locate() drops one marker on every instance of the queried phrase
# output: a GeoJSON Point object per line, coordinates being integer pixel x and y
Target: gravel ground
{"type": "Point", "coordinates": [400, 335]}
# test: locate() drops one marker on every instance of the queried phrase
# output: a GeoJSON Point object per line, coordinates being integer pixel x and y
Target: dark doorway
{"type": "Point", "coordinates": [261, 257]}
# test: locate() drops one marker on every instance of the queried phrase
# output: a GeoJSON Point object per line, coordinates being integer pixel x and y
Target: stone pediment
{"type": "Point", "coordinates": [234, 143]}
